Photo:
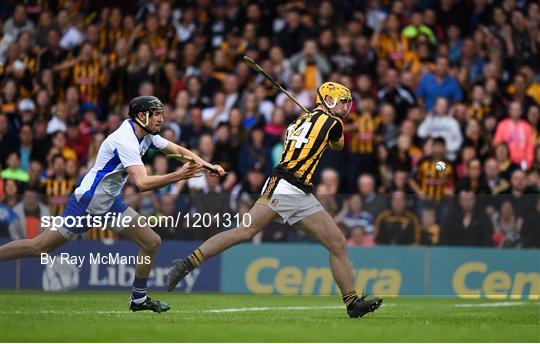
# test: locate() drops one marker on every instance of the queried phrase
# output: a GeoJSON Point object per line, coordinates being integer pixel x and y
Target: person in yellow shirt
{"type": "Point", "coordinates": [533, 88]}
{"type": "Point", "coordinates": [59, 146]}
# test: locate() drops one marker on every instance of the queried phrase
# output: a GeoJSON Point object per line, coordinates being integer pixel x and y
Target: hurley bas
{"type": "Point", "coordinates": [93, 258]}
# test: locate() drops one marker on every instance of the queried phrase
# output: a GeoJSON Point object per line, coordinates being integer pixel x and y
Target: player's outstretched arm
{"type": "Point", "coordinates": [173, 148]}
{"type": "Point", "coordinates": [144, 182]}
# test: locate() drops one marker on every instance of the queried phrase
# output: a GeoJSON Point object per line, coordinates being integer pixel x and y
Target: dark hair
{"type": "Point", "coordinates": [439, 139]}
{"type": "Point", "coordinates": [58, 156]}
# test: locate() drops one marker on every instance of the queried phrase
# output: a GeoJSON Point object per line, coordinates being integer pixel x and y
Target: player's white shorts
{"type": "Point", "coordinates": [288, 201]}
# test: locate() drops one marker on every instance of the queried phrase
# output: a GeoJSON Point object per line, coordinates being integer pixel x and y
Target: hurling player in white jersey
{"type": "Point", "coordinates": [100, 193]}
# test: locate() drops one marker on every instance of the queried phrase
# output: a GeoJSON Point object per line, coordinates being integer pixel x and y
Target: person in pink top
{"type": "Point", "coordinates": [518, 135]}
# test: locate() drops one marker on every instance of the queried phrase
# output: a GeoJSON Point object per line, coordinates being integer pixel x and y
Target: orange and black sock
{"type": "Point", "coordinates": [349, 299]}
{"type": "Point", "coordinates": [194, 259]}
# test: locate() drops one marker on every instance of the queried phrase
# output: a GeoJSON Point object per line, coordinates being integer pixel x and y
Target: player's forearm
{"type": "Point", "coordinates": [337, 145]}
{"type": "Point", "coordinates": [198, 159]}
{"type": "Point", "coordinates": [155, 182]}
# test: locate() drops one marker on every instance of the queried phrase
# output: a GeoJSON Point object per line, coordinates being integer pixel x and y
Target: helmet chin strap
{"type": "Point", "coordinates": [326, 105]}
{"type": "Point", "coordinates": [143, 126]}
{"type": "Point", "coordinates": [324, 102]}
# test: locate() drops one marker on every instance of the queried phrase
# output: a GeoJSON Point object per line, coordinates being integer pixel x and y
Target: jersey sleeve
{"type": "Point", "coordinates": [159, 142]}
{"type": "Point", "coordinates": [336, 131]}
{"type": "Point", "coordinates": [128, 153]}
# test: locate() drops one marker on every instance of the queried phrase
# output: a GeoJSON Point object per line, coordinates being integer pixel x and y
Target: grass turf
{"type": "Point", "coordinates": [103, 317]}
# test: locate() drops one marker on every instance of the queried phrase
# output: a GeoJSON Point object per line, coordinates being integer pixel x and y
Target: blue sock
{"type": "Point", "coordinates": [139, 290]}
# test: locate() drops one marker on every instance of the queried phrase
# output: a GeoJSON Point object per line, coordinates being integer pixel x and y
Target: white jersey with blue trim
{"type": "Point", "coordinates": [104, 182]}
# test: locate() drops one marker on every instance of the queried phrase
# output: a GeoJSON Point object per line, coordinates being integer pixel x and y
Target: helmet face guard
{"type": "Point", "coordinates": [148, 106]}
{"type": "Point", "coordinates": [339, 94]}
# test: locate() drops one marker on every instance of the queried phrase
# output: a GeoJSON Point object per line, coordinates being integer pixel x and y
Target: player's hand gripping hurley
{"type": "Point", "coordinates": [185, 158]}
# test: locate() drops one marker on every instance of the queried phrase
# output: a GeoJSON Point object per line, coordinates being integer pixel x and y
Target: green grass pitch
{"type": "Point", "coordinates": [103, 317]}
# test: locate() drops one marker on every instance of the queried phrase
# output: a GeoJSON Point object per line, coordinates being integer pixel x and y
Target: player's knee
{"type": "Point", "coordinates": [246, 233]}
{"type": "Point", "coordinates": [37, 247]}
{"type": "Point", "coordinates": [152, 243]}
{"type": "Point", "coordinates": [338, 246]}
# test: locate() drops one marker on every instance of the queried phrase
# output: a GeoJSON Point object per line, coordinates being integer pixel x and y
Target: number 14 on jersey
{"type": "Point", "coordinates": [299, 136]}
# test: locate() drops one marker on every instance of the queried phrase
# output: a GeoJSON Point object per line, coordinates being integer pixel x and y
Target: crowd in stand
{"type": "Point", "coordinates": [449, 80]}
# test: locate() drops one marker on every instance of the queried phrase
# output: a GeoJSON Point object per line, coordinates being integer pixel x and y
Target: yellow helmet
{"type": "Point", "coordinates": [338, 93]}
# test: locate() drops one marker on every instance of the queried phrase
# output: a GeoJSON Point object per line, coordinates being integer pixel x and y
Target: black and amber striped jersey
{"type": "Point", "coordinates": [362, 139]}
{"type": "Point", "coordinates": [432, 182]}
{"type": "Point", "coordinates": [108, 37]}
{"type": "Point", "coordinates": [57, 191]}
{"type": "Point", "coordinates": [100, 234]}
{"type": "Point", "coordinates": [394, 228]}
{"type": "Point", "coordinates": [478, 112]}
{"type": "Point", "coordinates": [306, 140]}
{"type": "Point", "coordinates": [88, 77]}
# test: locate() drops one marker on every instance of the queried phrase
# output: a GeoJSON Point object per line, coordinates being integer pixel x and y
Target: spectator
{"type": "Point", "coordinates": [30, 210]}
{"type": "Point", "coordinates": [438, 84]}
{"type": "Point", "coordinates": [58, 186]}
{"type": "Point", "coordinates": [53, 54]}
{"type": "Point", "coordinates": [430, 231]}
{"type": "Point", "coordinates": [18, 23]}
{"type": "Point", "coordinates": [518, 135]}
{"type": "Point", "coordinates": [517, 92]}
{"type": "Point", "coordinates": [467, 224]}
{"type": "Point", "coordinates": [502, 155]}
{"type": "Point", "coordinates": [373, 203]}
{"type": "Point", "coordinates": [14, 170]}
{"type": "Point", "coordinates": [520, 194]}
{"type": "Point", "coordinates": [366, 58]}
{"type": "Point", "coordinates": [472, 180]}
{"type": "Point", "coordinates": [397, 225]}
{"type": "Point", "coordinates": [10, 224]}
{"type": "Point", "coordinates": [144, 68]}
{"type": "Point", "coordinates": [312, 65]}
{"type": "Point", "coordinates": [507, 226]}
{"type": "Point", "coordinates": [353, 215]}
{"type": "Point", "coordinates": [342, 60]}
{"type": "Point", "coordinates": [493, 184]}
{"type": "Point", "coordinates": [8, 139]}
{"type": "Point", "coordinates": [530, 231]}
{"type": "Point", "coordinates": [360, 129]}
{"type": "Point", "coordinates": [440, 123]}
{"type": "Point", "coordinates": [79, 143]}
{"type": "Point", "coordinates": [294, 34]}
{"type": "Point", "coordinates": [255, 151]}
{"type": "Point", "coordinates": [359, 238]}
{"type": "Point", "coordinates": [399, 96]}
{"type": "Point", "coordinates": [297, 90]}
{"type": "Point", "coordinates": [429, 184]}
{"type": "Point", "coordinates": [59, 145]}
{"type": "Point", "coordinates": [388, 41]}
{"type": "Point", "coordinates": [215, 114]}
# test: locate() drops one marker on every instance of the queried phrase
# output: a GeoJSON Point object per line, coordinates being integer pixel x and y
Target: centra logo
{"type": "Point", "coordinates": [473, 281]}
{"type": "Point", "coordinates": [314, 280]}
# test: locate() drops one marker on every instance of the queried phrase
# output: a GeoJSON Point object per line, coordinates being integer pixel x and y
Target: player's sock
{"type": "Point", "coordinates": [349, 299]}
{"type": "Point", "coordinates": [138, 292]}
{"type": "Point", "coordinates": [194, 259]}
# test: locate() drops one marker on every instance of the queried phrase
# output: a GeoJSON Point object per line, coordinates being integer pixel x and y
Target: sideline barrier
{"type": "Point", "coordinates": [295, 269]}
{"type": "Point", "coordinates": [444, 271]}
{"type": "Point", "coordinates": [111, 274]}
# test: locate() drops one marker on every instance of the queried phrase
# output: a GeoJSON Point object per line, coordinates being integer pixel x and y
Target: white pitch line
{"type": "Point", "coordinates": [495, 304]}
{"type": "Point", "coordinates": [217, 310]}
{"type": "Point", "coordinates": [257, 309]}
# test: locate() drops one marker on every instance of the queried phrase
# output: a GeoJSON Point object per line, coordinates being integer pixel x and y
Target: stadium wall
{"type": "Point", "coordinates": [295, 269]}
{"type": "Point", "coordinates": [107, 271]}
